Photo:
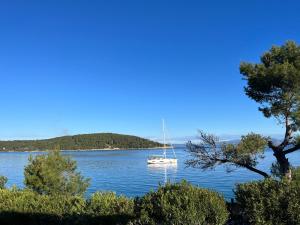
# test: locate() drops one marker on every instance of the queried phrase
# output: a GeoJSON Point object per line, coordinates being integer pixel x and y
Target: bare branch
{"type": "Point", "coordinates": [293, 149]}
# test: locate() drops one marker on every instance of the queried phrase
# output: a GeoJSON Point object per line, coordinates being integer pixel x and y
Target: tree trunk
{"type": "Point", "coordinates": [283, 162]}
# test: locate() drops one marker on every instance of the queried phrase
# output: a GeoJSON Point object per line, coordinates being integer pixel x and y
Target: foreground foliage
{"type": "Point", "coordinates": [176, 204]}
{"type": "Point", "coordinates": [264, 202]}
{"type": "Point", "coordinates": [54, 173]}
{"type": "Point", "coordinates": [296, 176]}
{"type": "Point", "coordinates": [269, 202]}
{"type": "Point", "coordinates": [108, 208]}
{"type": "Point", "coordinates": [27, 207]}
{"type": "Point", "coordinates": [181, 204]}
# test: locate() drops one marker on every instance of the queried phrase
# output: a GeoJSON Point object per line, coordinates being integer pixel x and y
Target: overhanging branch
{"type": "Point", "coordinates": [253, 169]}
{"type": "Point", "coordinates": [293, 149]}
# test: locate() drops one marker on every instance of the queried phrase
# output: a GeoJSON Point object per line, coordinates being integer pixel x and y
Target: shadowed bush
{"type": "Point", "coordinates": [112, 208]}
{"type": "Point", "coordinates": [269, 202]}
{"type": "Point", "coordinates": [296, 176]}
{"type": "Point", "coordinates": [3, 181]}
{"type": "Point", "coordinates": [180, 204]}
{"type": "Point", "coordinates": [27, 207]}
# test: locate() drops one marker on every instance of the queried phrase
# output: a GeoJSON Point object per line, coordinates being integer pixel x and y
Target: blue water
{"type": "Point", "coordinates": [126, 171]}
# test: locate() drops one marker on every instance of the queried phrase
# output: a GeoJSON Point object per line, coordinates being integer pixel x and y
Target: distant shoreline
{"type": "Point", "coordinates": [87, 150]}
{"type": "Point", "coordinates": [81, 142]}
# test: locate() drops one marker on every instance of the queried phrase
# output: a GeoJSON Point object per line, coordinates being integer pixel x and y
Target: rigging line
{"type": "Point", "coordinates": [168, 137]}
{"type": "Point", "coordinates": [164, 136]}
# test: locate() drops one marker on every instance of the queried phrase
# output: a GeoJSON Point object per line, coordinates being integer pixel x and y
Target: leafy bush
{"type": "Point", "coordinates": [269, 202]}
{"type": "Point", "coordinates": [3, 181]}
{"type": "Point", "coordinates": [54, 174]}
{"type": "Point", "coordinates": [180, 204]}
{"type": "Point", "coordinates": [296, 176]}
{"type": "Point", "coordinates": [108, 208]}
{"type": "Point", "coordinates": [27, 207]}
{"type": "Point", "coordinates": [176, 204]}
{"type": "Point", "coordinates": [108, 203]}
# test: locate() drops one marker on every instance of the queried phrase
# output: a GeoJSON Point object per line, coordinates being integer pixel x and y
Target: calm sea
{"type": "Point", "coordinates": [126, 171]}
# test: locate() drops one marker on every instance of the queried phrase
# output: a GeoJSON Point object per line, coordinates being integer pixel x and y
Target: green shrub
{"type": "Point", "coordinates": [180, 204]}
{"type": "Point", "coordinates": [27, 207]}
{"type": "Point", "coordinates": [3, 181]}
{"type": "Point", "coordinates": [108, 208]}
{"type": "Point", "coordinates": [108, 203]}
{"type": "Point", "coordinates": [269, 202]}
{"type": "Point", "coordinates": [54, 173]}
{"type": "Point", "coordinates": [30, 202]}
{"type": "Point", "coordinates": [296, 176]}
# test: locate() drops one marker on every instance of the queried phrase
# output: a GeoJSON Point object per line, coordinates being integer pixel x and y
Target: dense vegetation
{"type": "Point", "coordinates": [269, 202]}
{"type": "Point", "coordinates": [82, 141]}
{"type": "Point", "coordinates": [176, 204]}
{"type": "Point", "coordinates": [181, 204]}
{"type": "Point", "coordinates": [25, 207]}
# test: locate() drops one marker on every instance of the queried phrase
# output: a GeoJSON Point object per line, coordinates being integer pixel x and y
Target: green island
{"type": "Point", "coordinates": [105, 141]}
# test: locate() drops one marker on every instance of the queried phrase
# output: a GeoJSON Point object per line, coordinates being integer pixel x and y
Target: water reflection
{"type": "Point", "coordinates": [164, 169]}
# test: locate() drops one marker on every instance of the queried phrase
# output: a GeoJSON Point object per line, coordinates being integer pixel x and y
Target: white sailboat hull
{"type": "Point", "coordinates": [162, 161]}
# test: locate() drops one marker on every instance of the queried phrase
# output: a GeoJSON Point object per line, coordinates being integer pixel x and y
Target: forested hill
{"type": "Point", "coordinates": [80, 142]}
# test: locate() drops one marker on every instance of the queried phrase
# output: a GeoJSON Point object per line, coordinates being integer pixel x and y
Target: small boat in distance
{"type": "Point", "coordinates": [162, 159]}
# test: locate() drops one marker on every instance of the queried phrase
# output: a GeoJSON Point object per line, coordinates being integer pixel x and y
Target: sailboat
{"type": "Point", "coordinates": [163, 159]}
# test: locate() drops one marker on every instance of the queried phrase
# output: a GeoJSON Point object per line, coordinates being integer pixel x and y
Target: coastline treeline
{"type": "Point", "coordinates": [80, 142]}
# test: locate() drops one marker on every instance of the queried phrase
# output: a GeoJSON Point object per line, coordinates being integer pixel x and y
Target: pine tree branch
{"type": "Point", "coordinates": [293, 149]}
{"type": "Point", "coordinates": [251, 168]}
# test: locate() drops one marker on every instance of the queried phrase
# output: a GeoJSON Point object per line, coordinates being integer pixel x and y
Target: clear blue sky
{"type": "Point", "coordinates": [70, 67]}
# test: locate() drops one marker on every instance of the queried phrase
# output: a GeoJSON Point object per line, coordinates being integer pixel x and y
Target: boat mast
{"type": "Point", "coordinates": [164, 133]}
